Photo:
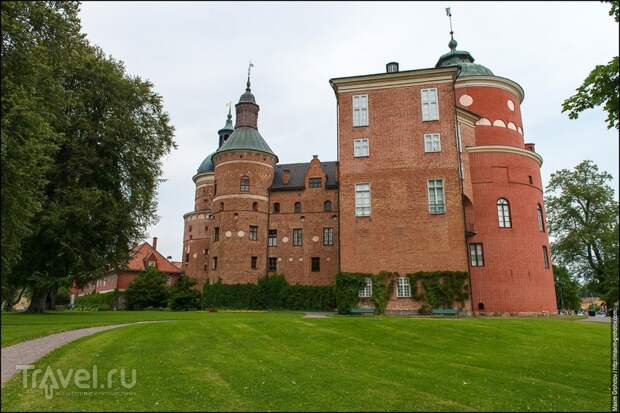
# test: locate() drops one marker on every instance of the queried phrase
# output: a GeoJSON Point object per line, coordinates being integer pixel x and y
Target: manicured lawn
{"type": "Point", "coordinates": [281, 361]}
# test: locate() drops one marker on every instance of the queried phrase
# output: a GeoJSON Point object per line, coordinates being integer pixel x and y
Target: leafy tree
{"type": "Point", "coordinates": [567, 289]}
{"type": "Point", "coordinates": [98, 195]}
{"type": "Point", "coordinates": [149, 289]}
{"type": "Point", "coordinates": [600, 88]}
{"type": "Point", "coordinates": [583, 219]}
{"type": "Point", "coordinates": [183, 295]}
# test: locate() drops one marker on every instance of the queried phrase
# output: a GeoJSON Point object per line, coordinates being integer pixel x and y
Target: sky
{"type": "Point", "coordinates": [196, 55]}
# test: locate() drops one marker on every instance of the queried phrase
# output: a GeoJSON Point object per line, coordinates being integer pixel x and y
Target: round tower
{"type": "Point", "coordinates": [196, 237]}
{"type": "Point", "coordinates": [244, 168]}
{"type": "Point", "coordinates": [508, 244]}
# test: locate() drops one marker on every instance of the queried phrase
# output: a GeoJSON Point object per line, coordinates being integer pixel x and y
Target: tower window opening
{"type": "Point", "coordinates": [245, 184]}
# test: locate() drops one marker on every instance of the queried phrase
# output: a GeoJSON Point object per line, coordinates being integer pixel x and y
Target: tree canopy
{"type": "Point", "coordinates": [600, 88]}
{"type": "Point", "coordinates": [82, 143]}
{"type": "Point", "coordinates": [583, 219]}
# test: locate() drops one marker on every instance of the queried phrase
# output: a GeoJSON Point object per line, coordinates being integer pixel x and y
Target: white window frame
{"type": "Point", "coordinates": [362, 208]}
{"type": "Point", "coordinates": [503, 213]}
{"type": "Point", "coordinates": [430, 104]}
{"type": "Point", "coordinates": [360, 110]}
{"type": "Point", "coordinates": [366, 290]}
{"type": "Point", "coordinates": [403, 287]}
{"type": "Point", "coordinates": [432, 142]}
{"type": "Point", "coordinates": [476, 254]}
{"type": "Point", "coordinates": [361, 148]}
{"type": "Point", "coordinates": [436, 207]}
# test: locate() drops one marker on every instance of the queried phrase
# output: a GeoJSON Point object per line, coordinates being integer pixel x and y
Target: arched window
{"type": "Point", "coordinates": [327, 206]}
{"type": "Point", "coordinates": [245, 184]}
{"type": "Point", "coordinates": [297, 208]}
{"type": "Point", "coordinates": [276, 207]}
{"type": "Point", "coordinates": [221, 206]}
{"type": "Point", "coordinates": [254, 206]}
{"type": "Point", "coordinates": [541, 219]}
{"type": "Point", "coordinates": [503, 213]}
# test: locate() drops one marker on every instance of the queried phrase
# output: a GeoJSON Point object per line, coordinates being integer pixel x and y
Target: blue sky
{"type": "Point", "coordinates": [196, 54]}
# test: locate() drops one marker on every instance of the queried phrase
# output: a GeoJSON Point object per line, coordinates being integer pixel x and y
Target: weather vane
{"type": "Point", "coordinates": [449, 14]}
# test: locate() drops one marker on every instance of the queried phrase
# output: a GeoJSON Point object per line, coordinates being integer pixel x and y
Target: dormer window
{"type": "Point", "coordinates": [314, 182]}
{"type": "Point", "coordinates": [152, 263]}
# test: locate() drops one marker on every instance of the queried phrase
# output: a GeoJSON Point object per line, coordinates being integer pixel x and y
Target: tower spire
{"type": "Point", "coordinates": [250, 66]}
{"type": "Point", "coordinates": [452, 44]}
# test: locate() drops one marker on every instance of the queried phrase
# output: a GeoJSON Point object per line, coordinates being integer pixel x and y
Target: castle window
{"type": "Point", "coordinates": [360, 148]}
{"type": "Point", "coordinates": [245, 184]}
{"type": "Point", "coordinates": [362, 200]}
{"type": "Point", "coordinates": [216, 234]}
{"type": "Point", "coordinates": [276, 208]}
{"type": "Point", "coordinates": [297, 209]}
{"type": "Point", "coordinates": [476, 255]}
{"type": "Point", "coordinates": [205, 251]}
{"type": "Point", "coordinates": [298, 237]}
{"type": "Point", "coordinates": [436, 198]}
{"type": "Point", "coordinates": [272, 240]}
{"type": "Point", "coordinates": [529, 177]}
{"type": "Point", "coordinates": [253, 262]}
{"type": "Point", "coordinates": [190, 236]}
{"type": "Point", "coordinates": [360, 110]}
{"type": "Point", "coordinates": [187, 257]}
{"type": "Point", "coordinates": [327, 206]}
{"type": "Point", "coordinates": [503, 213]}
{"type": "Point", "coordinates": [253, 233]}
{"type": "Point", "coordinates": [273, 264]}
{"type": "Point", "coordinates": [314, 182]}
{"type": "Point", "coordinates": [254, 206]}
{"type": "Point", "coordinates": [221, 206]}
{"type": "Point", "coordinates": [541, 219]}
{"type": "Point", "coordinates": [328, 236]}
{"type": "Point", "coordinates": [432, 142]}
{"type": "Point", "coordinates": [190, 228]}
{"type": "Point", "coordinates": [316, 264]}
{"type": "Point", "coordinates": [403, 287]}
{"type": "Point", "coordinates": [546, 256]}
{"type": "Point", "coordinates": [366, 290]}
{"type": "Point", "coordinates": [214, 188]}
{"type": "Point", "coordinates": [214, 263]}
{"type": "Point", "coordinates": [204, 267]}
{"type": "Point", "coordinates": [430, 110]}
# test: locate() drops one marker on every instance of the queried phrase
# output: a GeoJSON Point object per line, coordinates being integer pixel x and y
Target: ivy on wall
{"type": "Point", "coordinates": [348, 285]}
{"type": "Point", "coordinates": [439, 289]}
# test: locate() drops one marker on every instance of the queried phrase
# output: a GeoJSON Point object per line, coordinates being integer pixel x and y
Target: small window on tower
{"type": "Point", "coordinates": [245, 184]}
{"type": "Point", "coordinates": [297, 209]}
{"type": "Point", "coordinates": [276, 208]}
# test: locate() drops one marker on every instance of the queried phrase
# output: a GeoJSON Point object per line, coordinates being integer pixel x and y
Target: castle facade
{"type": "Point", "coordinates": [433, 174]}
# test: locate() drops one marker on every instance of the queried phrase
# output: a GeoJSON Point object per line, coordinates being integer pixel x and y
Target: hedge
{"type": "Point", "coordinates": [440, 289]}
{"type": "Point", "coordinates": [98, 301]}
{"type": "Point", "coordinates": [270, 293]}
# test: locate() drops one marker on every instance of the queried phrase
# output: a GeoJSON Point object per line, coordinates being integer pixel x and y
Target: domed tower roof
{"type": "Point", "coordinates": [206, 165]}
{"type": "Point", "coordinates": [463, 59]}
{"type": "Point", "coordinates": [245, 135]}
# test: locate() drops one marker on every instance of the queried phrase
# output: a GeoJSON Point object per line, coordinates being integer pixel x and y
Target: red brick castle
{"type": "Point", "coordinates": [432, 174]}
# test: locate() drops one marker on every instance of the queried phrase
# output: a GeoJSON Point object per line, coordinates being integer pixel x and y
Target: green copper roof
{"type": "Point", "coordinates": [245, 137]}
{"type": "Point", "coordinates": [463, 59]}
{"type": "Point", "coordinates": [206, 165]}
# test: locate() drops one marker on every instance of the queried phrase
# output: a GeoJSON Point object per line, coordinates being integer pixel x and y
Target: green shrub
{"type": "Point", "coordinates": [62, 296]}
{"type": "Point", "coordinates": [346, 290]}
{"type": "Point", "coordinates": [148, 290]}
{"type": "Point", "coordinates": [183, 296]}
{"type": "Point", "coordinates": [272, 292]}
{"type": "Point", "coordinates": [97, 301]}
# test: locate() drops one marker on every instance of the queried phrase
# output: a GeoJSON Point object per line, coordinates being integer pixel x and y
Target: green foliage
{"type": "Point", "coordinates": [62, 296]}
{"type": "Point", "coordinates": [147, 290]}
{"type": "Point", "coordinates": [80, 139]}
{"type": "Point", "coordinates": [440, 289]}
{"type": "Point", "coordinates": [271, 292]}
{"type": "Point", "coordinates": [600, 88]}
{"type": "Point", "coordinates": [183, 295]}
{"type": "Point", "coordinates": [583, 220]}
{"type": "Point", "coordinates": [97, 301]}
{"type": "Point", "coordinates": [346, 290]}
{"type": "Point", "coordinates": [567, 289]}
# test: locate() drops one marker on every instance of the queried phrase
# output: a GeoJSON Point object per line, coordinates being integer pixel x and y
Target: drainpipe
{"type": "Point", "coordinates": [471, 300]}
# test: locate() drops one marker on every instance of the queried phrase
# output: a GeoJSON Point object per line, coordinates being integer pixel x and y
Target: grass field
{"type": "Point", "coordinates": [281, 361]}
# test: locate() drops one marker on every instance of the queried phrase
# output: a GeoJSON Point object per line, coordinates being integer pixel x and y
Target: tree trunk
{"type": "Point", "coordinates": [39, 301]}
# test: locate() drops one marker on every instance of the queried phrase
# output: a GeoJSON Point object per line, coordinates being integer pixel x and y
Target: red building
{"type": "Point", "coordinates": [433, 174]}
{"type": "Point", "coordinates": [143, 256]}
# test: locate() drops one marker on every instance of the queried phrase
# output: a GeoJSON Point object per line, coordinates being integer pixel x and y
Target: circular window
{"type": "Point", "coordinates": [466, 100]}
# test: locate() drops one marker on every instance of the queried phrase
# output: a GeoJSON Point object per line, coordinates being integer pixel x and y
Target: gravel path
{"type": "Point", "coordinates": [30, 351]}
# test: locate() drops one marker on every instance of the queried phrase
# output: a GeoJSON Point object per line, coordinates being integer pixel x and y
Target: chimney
{"type": "Point", "coordinates": [285, 174]}
{"type": "Point", "coordinates": [155, 243]}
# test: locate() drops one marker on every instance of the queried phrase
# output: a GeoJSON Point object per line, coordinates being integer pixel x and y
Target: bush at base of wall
{"type": "Point", "coordinates": [440, 289]}
{"type": "Point", "coordinates": [98, 301]}
{"type": "Point", "coordinates": [270, 293]}
{"type": "Point", "coordinates": [348, 285]}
